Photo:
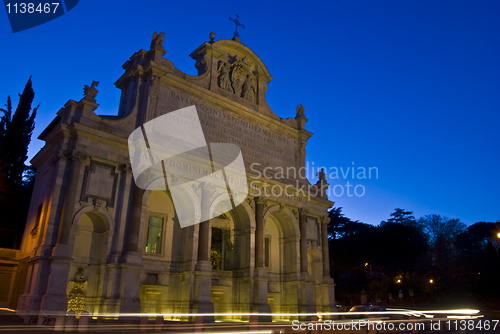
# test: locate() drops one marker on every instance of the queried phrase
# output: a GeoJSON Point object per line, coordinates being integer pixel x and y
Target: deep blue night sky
{"type": "Point", "coordinates": [411, 87]}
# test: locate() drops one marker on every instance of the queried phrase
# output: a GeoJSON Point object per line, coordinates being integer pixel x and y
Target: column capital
{"type": "Point", "coordinates": [261, 200]}
{"type": "Point", "coordinates": [78, 156]}
{"type": "Point", "coordinates": [207, 188]}
{"type": "Point", "coordinates": [125, 168]}
{"type": "Point", "coordinates": [72, 155]}
{"type": "Point", "coordinates": [303, 211]}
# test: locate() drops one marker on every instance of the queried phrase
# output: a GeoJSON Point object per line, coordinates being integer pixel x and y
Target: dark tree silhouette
{"type": "Point", "coordinates": [16, 179]}
{"type": "Point", "coordinates": [16, 135]}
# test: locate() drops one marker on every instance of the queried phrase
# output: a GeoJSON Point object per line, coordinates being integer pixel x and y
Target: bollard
{"type": "Point", "coordinates": [83, 322]}
{"type": "Point", "coordinates": [158, 323]}
{"type": "Point", "coordinates": [41, 319]}
{"type": "Point", "coordinates": [59, 326]}
{"type": "Point", "coordinates": [198, 324]}
{"type": "Point", "coordinates": [143, 325]}
{"type": "Point", "coordinates": [69, 323]}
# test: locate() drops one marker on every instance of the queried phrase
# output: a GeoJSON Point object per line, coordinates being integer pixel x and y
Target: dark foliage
{"type": "Point", "coordinates": [16, 179]}
{"type": "Point", "coordinates": [437, 258]}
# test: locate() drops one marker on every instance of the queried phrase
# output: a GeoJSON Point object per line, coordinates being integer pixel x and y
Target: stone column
{"type": "Point", "coordinates": [76, 160]}
{"type": "Point", "coordinates": [134, 218]}
{"type": "Point", "coordinates": [303, 240]}
{"type": "Point", "coordinates": [260, 203]}
{"type": "Point", "coordinates": [261, 278]}
{"type": "Point", "coordinates": [203, 269]}
{"type": "Point", "coordinates": [204, 231]}
{"type": "Point", "coordinates": [55, 298]}
{"type": "Point", "coordinates": [328, 286]}
{"type": "Point", "coordinates": [131, 268]}
{"type": "Point", "coordinates": [324, 246]}
{"type": "Point", "coordinates": [307, 302]}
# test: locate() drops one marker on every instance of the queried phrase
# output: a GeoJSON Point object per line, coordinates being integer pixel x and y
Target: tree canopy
{"type": "Point", "coordinates": [438, 258]}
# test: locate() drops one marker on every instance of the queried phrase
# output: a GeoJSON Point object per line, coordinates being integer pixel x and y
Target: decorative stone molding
{"type": "Point", "coordinates": [173, 180]}
{"type": "Point", "coordinates": [99, 183]}
{"type": "Point", "coordinates": [125, 168]}
{"type": "Point", "coordinates": [97, 203]}
{"type": "Point", "coordinates": [303, 144]}
{"type": "Point", "coordinates": [251, 202]}
{"type": "Point", "coordinates": [202, 64]}
{"type": "Point", "coordinates": [221, 207]}
{"type": "Point", "coordinates": [77, 155]}
{"type": "Point", "coordinates": [261, 200]}
{"type": "Point", "coordinates": [207, 188]}
{"type": "Point", "coordinates": [154, 86]}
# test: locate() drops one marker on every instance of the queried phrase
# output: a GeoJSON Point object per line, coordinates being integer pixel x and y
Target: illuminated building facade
{"type": "Point", "coordinates": [93, 237]}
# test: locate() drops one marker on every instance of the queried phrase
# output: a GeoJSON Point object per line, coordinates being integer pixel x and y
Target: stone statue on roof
{"type": "Point", "coordinates": [300, 111]}
{"type": "Point", "coordinates": [157, 39]}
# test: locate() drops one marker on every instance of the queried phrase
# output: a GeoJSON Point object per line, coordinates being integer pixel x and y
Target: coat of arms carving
{"type": "Point", "coordinates": [238, 77]}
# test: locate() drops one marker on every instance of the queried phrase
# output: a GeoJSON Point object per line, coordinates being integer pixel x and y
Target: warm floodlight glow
{"type": "Point", "coordinates": [431, 281]}
{"type": "Point", "coordinates": [398, 281]}
{"type": "Point", "coordinates": [366, 264]}
{"type": "Point", "coordinates": [498, 235]}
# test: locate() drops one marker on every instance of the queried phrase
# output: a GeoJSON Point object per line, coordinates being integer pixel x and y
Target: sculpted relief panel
{"type": "Point", "coordinates": [259, 142]}
{"type": "Point", "coordinates": [238, 77]}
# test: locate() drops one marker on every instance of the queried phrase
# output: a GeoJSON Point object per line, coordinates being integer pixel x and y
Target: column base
{"type": "Point", "coordinates": [203, 292]}
{"type": "Point", "coordinates": [307, 293]}
{"type": "Point", "coordinates": [55, 299]}
{"type": "Point", "coordinates": [261, 306]}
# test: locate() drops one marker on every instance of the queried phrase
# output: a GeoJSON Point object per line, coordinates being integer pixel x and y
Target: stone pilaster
{"type": "Point", "coordinates": [261, 278]}
{"type": "Point", "coordinates": [324, 247]}
{"type": "Point", "coordinates": [303, 240]}
{"type": "Point", "coordinates": [328, 285]}
{"type": "Point", "coordinates": [260, 204]}
{"type": "Point", "coordinates": [55, 298]}
{"type": "Point", "coordinates": [307, 302]}
{"type": "Point", "coordinates": [132, 261]}
{"type": "Point", "coordinates": [203, 269]}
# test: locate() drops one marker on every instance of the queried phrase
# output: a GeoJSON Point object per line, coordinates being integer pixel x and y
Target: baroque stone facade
{"type": "Point", "coordinates": [96, 241]}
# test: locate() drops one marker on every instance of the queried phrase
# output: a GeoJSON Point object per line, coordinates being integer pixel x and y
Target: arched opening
{"type": "Point", "coordinates": [162, 241]}
{"type": "Point", "coordinates": [222, 258]}
{"type": "Point", "coordinates": [281, 247]}
{"type": "Point", "coordinates": [90, 250]}
{"type": "Point", "coordinates": [273, 262]}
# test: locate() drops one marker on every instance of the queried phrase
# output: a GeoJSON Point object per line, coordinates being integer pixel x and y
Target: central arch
{"type": "Point", "coordinates": [281, 259]}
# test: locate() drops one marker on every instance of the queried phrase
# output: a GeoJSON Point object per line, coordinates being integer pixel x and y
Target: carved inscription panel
{"type": "Point", "coordinates": [259, 141]}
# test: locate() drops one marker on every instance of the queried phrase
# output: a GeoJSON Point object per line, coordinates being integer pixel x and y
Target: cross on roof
{"type": "Point", "coordinates": [237, 23]}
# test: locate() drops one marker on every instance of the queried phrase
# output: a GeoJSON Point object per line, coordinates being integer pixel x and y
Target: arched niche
{"type": "Point", "coordinates": [91, 240]}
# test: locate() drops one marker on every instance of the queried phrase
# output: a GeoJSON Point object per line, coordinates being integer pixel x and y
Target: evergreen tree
{"type": "Point", "coordinates": [16, 179]}
{"type": "Point", "coordinates": [5, 119]}
{"type": "Point", "coordinates": [15, 136]}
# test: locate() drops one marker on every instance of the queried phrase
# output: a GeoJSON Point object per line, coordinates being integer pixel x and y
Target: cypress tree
{"type": "Point", "coordinates": [16, 179]}
{"type": "Point", "coordinates": [15, 136]}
